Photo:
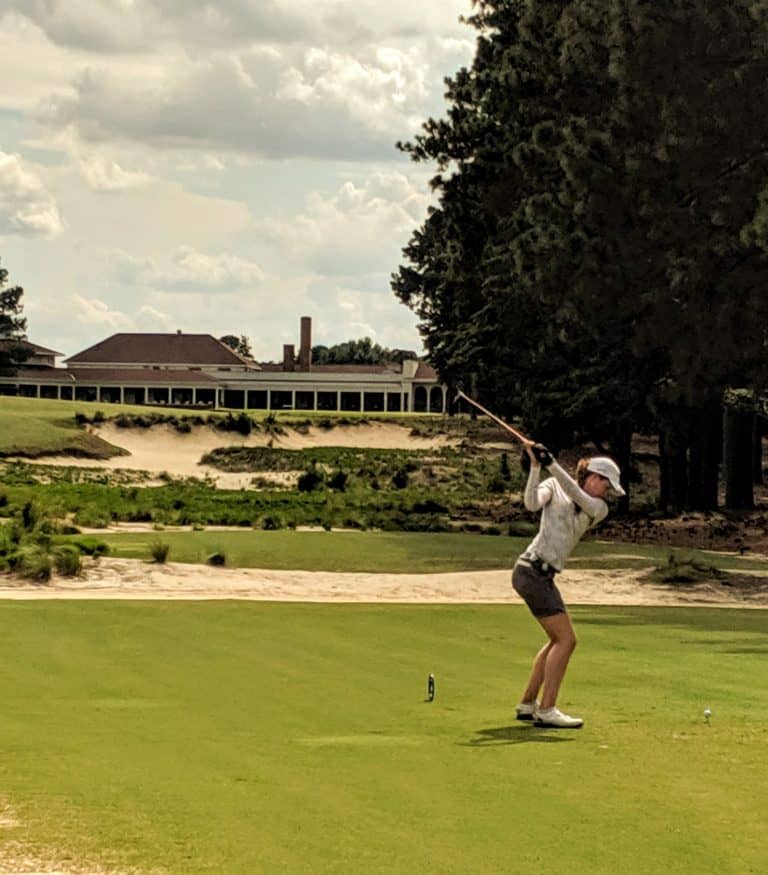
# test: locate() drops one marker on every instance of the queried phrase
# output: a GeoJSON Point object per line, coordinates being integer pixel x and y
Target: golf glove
{"type": "Point", "coordinates": [542, 455]}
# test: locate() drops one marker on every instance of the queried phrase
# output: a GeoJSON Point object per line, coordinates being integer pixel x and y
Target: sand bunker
{"type": "Point", "coordinates": [163, 449]}
{"type": "Point", "coordinates": [110, 578]}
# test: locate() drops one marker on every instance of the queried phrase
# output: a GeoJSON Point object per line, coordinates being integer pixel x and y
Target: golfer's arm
{"type": "Point", "coordinates": [534, 498]}
{"type": "Point", "coordinates": [595, 508]}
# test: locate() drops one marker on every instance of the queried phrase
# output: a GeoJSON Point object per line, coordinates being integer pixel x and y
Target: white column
{"type": "Point", "coordinates": [122, 394]}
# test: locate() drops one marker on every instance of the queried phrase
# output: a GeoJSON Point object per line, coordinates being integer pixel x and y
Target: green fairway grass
{"type": "Point", "coordinates": [396, 552]}
{"type": "Point", "coordinates": [260, 738]}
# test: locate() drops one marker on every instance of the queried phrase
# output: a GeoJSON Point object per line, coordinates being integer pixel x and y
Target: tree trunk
{"type": "Point", "coordinates": [705, 456]}
{"type": "Point", "coordinates": [738, 452]}
{"type": "Point", "coordinates": [757, 451]}
{"type": "Point", "coordinates": [673, 470]}
{"type": "Point", "coordinates": [622, 452]}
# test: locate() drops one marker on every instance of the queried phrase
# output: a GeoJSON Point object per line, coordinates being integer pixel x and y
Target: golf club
{"type": "Point", "coordinates": [513, 431]}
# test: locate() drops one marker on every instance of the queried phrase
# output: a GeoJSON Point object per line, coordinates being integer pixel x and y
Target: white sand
{"type": "Point", "coordinates": [109, 578]}
{"type": "Point", "coordinates": [163, 449]}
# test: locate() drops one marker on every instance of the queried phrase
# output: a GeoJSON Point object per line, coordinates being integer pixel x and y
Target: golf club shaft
{"type": "Point", "coordinates": [513, 431]}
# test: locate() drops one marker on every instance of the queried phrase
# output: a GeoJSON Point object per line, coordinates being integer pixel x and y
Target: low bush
{"type": "Point", "coordinates": [159, 551]}
{"type": "Point", "coordinates": [32, 563]}
{"type": "Point", "coordinates": [67, 560]}
{"type": "Point", "coordinates": [272, 521]}
{"type": "Point", "coordinates": [685, 569]}
{"type": "Point", "coordinates": [311, 480]}
{"type": "Point", "coordinates": [91, 547]}
{"type": "Point", "coordinates": [338, 480]}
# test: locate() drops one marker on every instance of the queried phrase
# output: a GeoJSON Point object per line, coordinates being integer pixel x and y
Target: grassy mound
{"type": "Point", "coordinates": [31, 427]}
{"type": "Point", "coordinates": [686, 569]}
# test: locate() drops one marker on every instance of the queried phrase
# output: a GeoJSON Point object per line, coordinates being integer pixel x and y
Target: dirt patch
{"type": "Point", "coordinates": [110, 578]}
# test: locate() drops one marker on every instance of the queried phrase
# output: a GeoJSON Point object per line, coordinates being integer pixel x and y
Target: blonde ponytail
{"type": "Point", "coordinates": [581, 471]}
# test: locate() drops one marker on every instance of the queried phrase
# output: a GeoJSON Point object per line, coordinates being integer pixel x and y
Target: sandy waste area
{"type": "Point", "coordinates": [110, 578]}
{"type": "Point", "coordinates": [162, 449]}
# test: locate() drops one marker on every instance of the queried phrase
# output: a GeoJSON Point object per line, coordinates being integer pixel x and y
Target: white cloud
{"type": "Point", "coordinates": [93, 25]}
{"type": "Point", "coordinates": [103, 174]}
{"type": "Point", "coordinates": [322, 105]}
{"type": "Point", "coordinates": [26, 207]}
{"type": "Point", "coordinates": [150, 319]}
{"type": "Point", "coordinates": [131, 25]}
{"type": "Point", "coordinates": [187, 270]}
{"type": "Point", "coordinates": [92, 311]}
{"type": "Point", "coordinates": [359, 229]}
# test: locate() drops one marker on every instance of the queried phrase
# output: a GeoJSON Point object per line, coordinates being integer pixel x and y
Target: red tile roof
{"type": "Point", "coordinates": [160, 349]}
{"type": "Point", "coordinates": [425, 372]}
{"type": "Point", "coordinates": [33, 348]}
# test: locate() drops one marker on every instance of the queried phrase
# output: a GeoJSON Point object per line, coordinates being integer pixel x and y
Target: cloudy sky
{"type": "Point", "coordinates": [223, 166]}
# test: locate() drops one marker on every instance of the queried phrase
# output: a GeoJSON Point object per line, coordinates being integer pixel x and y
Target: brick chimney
{"type": "Point", "coordinates": [305, 350]}
{"type": "Point", "coordinates": [289, 357]}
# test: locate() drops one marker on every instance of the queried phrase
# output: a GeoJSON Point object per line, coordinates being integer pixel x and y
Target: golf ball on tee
{"type": "Point", "coordinates": [707, 713]}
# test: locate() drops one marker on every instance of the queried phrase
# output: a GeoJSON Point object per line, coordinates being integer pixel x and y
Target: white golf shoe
{"type": "Point", "coordinates": [553, 718]}
{"type": "Point", "coordinates": [526, 710]}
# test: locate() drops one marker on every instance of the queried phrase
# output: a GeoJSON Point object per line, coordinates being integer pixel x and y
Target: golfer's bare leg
{"type": "Point", "coordinates": [537, 675]}
{"type": "Point", "coordinates": [562, 642]}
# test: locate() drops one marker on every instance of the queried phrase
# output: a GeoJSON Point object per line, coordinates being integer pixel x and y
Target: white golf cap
{"type": "Point", "coordinates": [607, 468]}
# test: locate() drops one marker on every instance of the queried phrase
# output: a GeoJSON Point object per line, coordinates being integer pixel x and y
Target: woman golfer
{"type": "Point", "coordinates": [568, 508]}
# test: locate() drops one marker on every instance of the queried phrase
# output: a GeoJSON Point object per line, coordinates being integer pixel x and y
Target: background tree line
{"type": "Point", "coordinates": [12, 326]}
{"type": "Point", "coordinates": [597, 257]}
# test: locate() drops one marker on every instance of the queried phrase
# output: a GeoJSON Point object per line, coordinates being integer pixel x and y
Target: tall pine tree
{"type": "Point", "coordinates": [589, 258]}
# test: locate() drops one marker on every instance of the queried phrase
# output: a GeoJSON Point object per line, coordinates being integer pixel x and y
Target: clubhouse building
{"type": "Point", "coordinates": [199, 371]}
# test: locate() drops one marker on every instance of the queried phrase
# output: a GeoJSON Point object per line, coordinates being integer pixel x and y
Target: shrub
{"type": "Point", "coordinates": [685, 569]}
{"type": "Point", "coordinates": [183, 426]}
{"type": "Point", "coordinates": [272, 522]}
{"type": "Point", "coordinates": [92, 518]}
{"type": "Point", "coordinates": [497, 484]}
{"type": "Point", "coordinates": [32, 563]}
{"type": "Point", "coordinates": [311, 480]}
{"type": "Point", "coordinates": [67, 560]}
{"type": "Point", "coordinates": [217, 558]}
{"type": "Point", "coordinates": [98, 416]}
{"type": "Point", "coordinates": [338, 480]}
{"type": "Point", "coordinates": [29, 515]}
{"type": "Point", "coordinates": [243, 424]}
{"type": "Point", "coordinates": [429, 506]}
{"type": "Point", "coordinates": [159, 551]}
{"type": "Point", "coordinates": [400, 478]}
{"type": "Point", "coordinates": [92, 547]}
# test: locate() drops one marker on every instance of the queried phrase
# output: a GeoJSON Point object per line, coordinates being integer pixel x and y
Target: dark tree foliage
{"type": "Point", "coordinates": [359, 352]}
{"type": "Point", "coordinates": [12, 327]}
{"type": "Point", "coordinates": [596, 258]}
{"type": "Point", "coordinates": [239, 344]}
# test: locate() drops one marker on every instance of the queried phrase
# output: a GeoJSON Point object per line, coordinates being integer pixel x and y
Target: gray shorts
{"type": "Point", "coordinates": [537, 589]}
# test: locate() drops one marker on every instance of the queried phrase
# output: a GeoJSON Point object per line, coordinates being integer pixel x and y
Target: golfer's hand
{"type": "Point", "coordinates": [540, 455]}
{"type": "Point", "coordinates": [528, 446]}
